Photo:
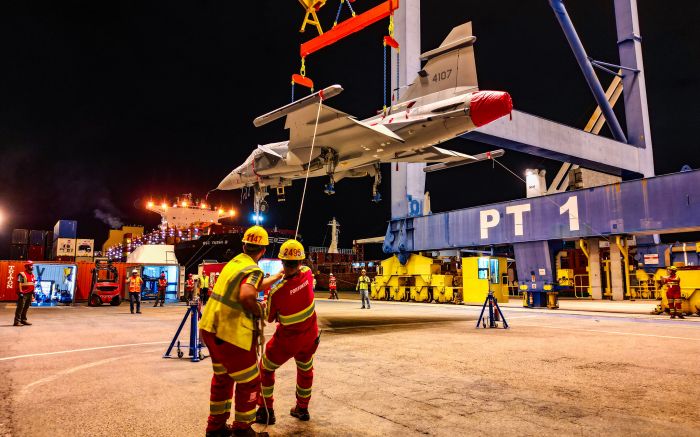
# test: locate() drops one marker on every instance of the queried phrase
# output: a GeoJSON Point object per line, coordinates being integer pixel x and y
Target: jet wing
{"type": "Point", "coordinates": [336, 129]}
{"type": "Point", "coordinates": [432, 154]}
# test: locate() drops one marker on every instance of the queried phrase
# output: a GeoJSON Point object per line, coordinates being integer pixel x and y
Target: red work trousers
{"type": "Point", "coordinates": [675, 303]}
{"type": "Point", "coordinates": [231, 365]}
{"type": "Point", "coordinates": [278, 351]}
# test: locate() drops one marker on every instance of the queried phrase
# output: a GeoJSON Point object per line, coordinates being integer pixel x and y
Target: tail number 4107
{"type": "Point", "coordinates": [437, 77]}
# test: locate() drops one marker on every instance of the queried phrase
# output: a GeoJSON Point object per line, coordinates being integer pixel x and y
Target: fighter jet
{"type": "Point", "coordinates": [442, 103]}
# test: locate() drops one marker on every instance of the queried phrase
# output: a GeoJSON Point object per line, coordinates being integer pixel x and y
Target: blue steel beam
{"type": "Point", "coordinates": [663, 204]}
{"type": "Point", "coordinates": [587, 69]}
{"type": "Point", "coordinates": [633, 83]}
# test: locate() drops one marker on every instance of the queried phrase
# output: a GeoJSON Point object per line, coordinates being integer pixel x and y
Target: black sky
{"type": "Point", "coordinates": [104, 104]}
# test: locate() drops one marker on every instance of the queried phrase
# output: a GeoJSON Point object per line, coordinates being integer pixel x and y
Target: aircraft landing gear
{"type": "Point", "coordinates": [259, 202]}
{"type": "Point", "coordinates": [376, 196]}
{"type": "Point", "coordinates": [329, 188]}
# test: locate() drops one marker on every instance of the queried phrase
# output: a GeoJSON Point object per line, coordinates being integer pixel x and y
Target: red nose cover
{"type": "Point", "coordinates": [487, 106]}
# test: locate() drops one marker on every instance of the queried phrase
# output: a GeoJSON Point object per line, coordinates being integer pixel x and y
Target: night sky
{"type": "Point", "coordinates": [105, 104]}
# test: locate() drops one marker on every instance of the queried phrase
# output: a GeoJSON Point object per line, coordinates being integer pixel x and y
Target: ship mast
{"type": "Point", "coordinates": [335, 232]}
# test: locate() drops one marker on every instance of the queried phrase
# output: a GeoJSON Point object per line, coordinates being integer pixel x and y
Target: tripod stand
{"type": "Point", "coordinates": [495, 314]}
{"type": "Point", "coordinates": [195, 347]}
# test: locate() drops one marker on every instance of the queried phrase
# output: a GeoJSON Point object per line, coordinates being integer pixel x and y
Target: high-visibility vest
{"type": "Point", "coordinates": [135, 284]}
{"type": "Point", "coordinates": [223, 315]}
{"type": "Point", "coordinates": [363, 283]}
{"type": "Point", "coordinates": [205, 281]}
{"type": "Point", "coordinates": [27, 286]}
{"type": "Point", "coordinates": [331, 282]}
{"type": "Point", "coordinates": [189, 285]}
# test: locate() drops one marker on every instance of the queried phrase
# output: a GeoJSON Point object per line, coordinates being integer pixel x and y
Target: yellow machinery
{"type": "Point", "coordinates": [690, 290]}
{"type": "Point", "coordinates": [311, 6]}
{"type": "Point", "coordinates": [483, 273]}
{"type": "Point", "coordinates": [422, 279]}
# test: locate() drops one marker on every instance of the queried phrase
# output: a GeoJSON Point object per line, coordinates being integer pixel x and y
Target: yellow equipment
{"type": "Point", "coordinates": [420, 280]}
{"type": "Point", "coordinates": [690, 290]}
{"type": "Point", "coordinates": [292, 250]}
{"type": "Point", "coordinates": [311, 6]}
{"type": "Point", "coordinates": [256, 235]}
{"type": "Point", "coordinates": [483, 273]}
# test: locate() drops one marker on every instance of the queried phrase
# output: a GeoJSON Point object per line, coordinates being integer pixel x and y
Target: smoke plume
{"type": "Point", "coordinates": [112, 221]}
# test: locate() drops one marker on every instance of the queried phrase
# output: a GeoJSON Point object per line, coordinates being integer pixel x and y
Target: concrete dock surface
{"type": "Point", "coordinates": [398, 369]}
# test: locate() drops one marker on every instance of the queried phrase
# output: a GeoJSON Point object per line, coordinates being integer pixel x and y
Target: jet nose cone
{"type": "Point", "coordinates": [487, 106]}
{"type": "Point", "coordinates": [230, 182]}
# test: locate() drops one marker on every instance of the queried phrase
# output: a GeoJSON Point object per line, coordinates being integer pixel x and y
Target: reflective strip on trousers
{"type": "Point", "coordinates": [245, 375]}
{"type": "Point", "coordinates": [269, 365]}
{"type": "Point", "coordinates": [219, 369]}
{"type": "Point", "coordinates": [305, 366]}
{"type": "Point", "coordinates": [219, 407]}
{"type": "Point", "coordinates": [247, 416]}
{"type": "Point", "coordinates": [303, 392]}
{"type": "Point", "coordinates": [267, 391]}
{"type": "Point", "coordinates": [297, 317]}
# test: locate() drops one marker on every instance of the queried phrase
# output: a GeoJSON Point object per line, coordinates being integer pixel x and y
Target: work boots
{"type": "Point", "coordinates": [248, 432]}
{"type": "Point", "coordinates": [265, 417]}
{"type": "Point", "coordinates": [24, 322]}
{"type": "Point", "coordinates": [300, 413]}
{"type": "Point", "coordinates": [226, 431]}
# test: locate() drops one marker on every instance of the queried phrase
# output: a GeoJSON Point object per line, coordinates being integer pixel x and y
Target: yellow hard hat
{"type": "Point", "coordinates": [292, 250]}
{"type": "Point", "coordinates": [672, 268]}
{"type": "Point", "coordinates": [256, 235]}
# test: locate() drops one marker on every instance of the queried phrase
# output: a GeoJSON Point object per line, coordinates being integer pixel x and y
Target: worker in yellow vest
{"type": "Point", "coordinates": [204, 288]}
{"type": "Point", "coordinates": [228, 330]}
{"type": "Point", "coordinates": [363, 286]}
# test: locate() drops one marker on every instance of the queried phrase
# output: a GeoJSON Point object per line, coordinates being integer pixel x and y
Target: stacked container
{"type": "Point", "coordinates": [64, 240]}
{"type": "Point", "coordinates": [37, 245]}
{"type": "Point", "coordinates": [19, 244]}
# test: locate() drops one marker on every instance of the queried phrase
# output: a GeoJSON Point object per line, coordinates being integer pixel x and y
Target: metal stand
{"type": "Point", "coordinates": [195, 347]}
{"type": "Point", "coordinates": [493, 316]}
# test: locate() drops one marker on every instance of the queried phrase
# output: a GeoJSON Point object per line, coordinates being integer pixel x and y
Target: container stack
{"type": "Point", "coordinates": [19, 244]}
{"type": "Point", "coordinates": [64, 240]}
{"type": "Point", "coordinates": [37, 245]}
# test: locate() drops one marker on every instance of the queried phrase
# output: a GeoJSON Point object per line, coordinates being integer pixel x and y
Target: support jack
{"type": "Point", "coordinates": [195, 346]}
{"type": "Point", "coordinates": [494, 315]}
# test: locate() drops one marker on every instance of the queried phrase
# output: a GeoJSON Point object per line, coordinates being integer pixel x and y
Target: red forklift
{"type": "Point", "coordinates": [106, 287]}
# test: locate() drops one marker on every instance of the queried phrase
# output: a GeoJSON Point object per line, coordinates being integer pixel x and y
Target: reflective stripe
{"type": "Point", "coordinates": [245, 375]}
{"type": "Point", "coordinates": [269, 365]}
{"type": "Point", "coordinates": [303, 392]}
{"type": "Point", "coordinates": [247, 416]}
{"type": "Point", "coordinates": [297, 317]}
{"type": "Point", "coordinates": [229, 293]}
{"type": "Point", "coordinates": [219, 407]}
{"type": "Point", "coordinates": [219, 369]}
{"type": "Point", "coordinates": [275, 288]}
{"type": "Point", "coordinates": [228, 302]}
{"type": "Point", "coordinates": [305, 366]}
{"type": "Point", "coordinates": [267, 391]}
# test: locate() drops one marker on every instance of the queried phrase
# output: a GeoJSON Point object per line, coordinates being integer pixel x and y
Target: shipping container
{"type": "Point", "coordinates": [36, 238]}
{"type": "Point", "coordinates": [63, 247]}
{"type": "Point", "coordinates": [65, 229]}
{"type": "Point", "coordinates": [87, 259]}
{"type": "Point", "coordinates": [36, 253]}
{"type": "Point", "coordinates": [18, 251]}
{"type": "Point", "coordinates": [85, 247]}
{"type": "Point", "coordinates": [20, 236]}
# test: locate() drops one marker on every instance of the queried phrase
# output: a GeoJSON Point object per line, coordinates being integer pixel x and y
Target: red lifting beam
{"type": "Point", "coordinates": [349, 26]}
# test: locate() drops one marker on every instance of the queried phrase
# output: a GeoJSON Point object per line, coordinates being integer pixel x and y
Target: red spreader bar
{"type": "Point", "coordinates": [391, 42]}
{"type": "Point", "coordinates": [303, 81]}
{"type": "Point", "coordinates": [349, 26]}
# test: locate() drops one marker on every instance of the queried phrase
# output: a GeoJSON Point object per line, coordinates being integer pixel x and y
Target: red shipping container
{"type": "Point", "coordinates": [8, 279]}
{"type": "Point", "coordinates": [36, 253]}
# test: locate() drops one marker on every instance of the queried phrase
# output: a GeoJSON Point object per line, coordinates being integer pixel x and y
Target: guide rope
{"type": "Point", "coordinates": [308, 165]}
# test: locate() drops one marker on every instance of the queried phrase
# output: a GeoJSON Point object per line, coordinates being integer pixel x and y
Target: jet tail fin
{"type": "Point", "coordinates": [450, 66]}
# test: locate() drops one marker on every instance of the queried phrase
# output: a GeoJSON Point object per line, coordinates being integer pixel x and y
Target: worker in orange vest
{"type": "Point", "coordinates": [673, 293]}
{"type": "Point", "coordinates": [134, 284]}
{"type": "Point", "coordinates": [333, 287]}
{"type": "Point", "coordinates": [189, 288]}
{"type": "Point", "coordinates": [25, 292]}
{"type": "Point", "coordinates": [291, 304]}
{"type": "Point", "coordinates": [161, 286]}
